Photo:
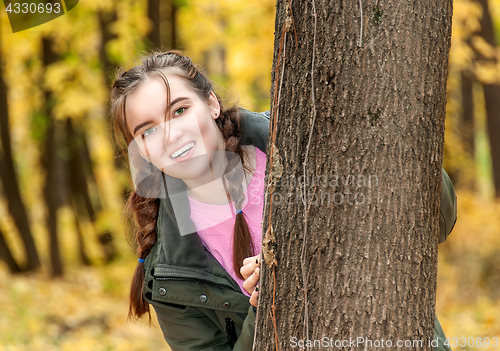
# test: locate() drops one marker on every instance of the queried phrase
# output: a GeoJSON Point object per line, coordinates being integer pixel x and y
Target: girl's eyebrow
{"type": "Point", "coordinates": [139, 126]}
{"type": "Point", "coordinates": [177, 100]}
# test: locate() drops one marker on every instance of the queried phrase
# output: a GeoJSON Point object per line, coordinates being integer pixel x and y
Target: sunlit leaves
{"type": "Point", "coordinates": [245, 30]}
{"type": "Point", "coordinates": [78, 88]}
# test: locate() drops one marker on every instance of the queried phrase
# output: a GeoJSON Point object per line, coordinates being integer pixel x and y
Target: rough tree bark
{"type": "Point", "coordinates": [358, 105]}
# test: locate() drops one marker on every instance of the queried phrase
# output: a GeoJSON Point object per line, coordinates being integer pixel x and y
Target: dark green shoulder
{"type": "Point", "coordinates": [448, 212]}
{"type": "Point", "coordinates": [254, 128]}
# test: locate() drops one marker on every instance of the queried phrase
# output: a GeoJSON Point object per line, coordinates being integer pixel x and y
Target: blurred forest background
{"type": "Point", "coordinates": [65, 246]}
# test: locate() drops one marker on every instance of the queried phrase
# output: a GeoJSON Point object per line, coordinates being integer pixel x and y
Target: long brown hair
{"type": "Point", "coordinates": [145, 208]}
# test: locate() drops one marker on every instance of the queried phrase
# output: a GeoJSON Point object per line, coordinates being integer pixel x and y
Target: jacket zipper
{"type": "Point", "coordinates": [197, 281]}
{"type": "Point", "coordinates": [204, 282]}
{"type": "Point", "coordinates": [231, 332]}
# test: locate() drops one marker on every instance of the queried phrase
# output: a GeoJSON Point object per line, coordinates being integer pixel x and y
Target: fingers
{"type": "Point", "coordinates": [251, 273]}
{"type": "Point", "coordinates": [250, 283]}
{"type": "Point", "coordinates": [249, 266]}
{"type": "Point", "coordinates": [251, 259]}
{"type": "Point", "coordinates": [247, 270]}
{"type": "Point", "coordinates": [254, 298]}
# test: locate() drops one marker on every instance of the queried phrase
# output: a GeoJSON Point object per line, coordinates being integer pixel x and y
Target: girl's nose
{"type": "Point", "coordinates": [173, 132]}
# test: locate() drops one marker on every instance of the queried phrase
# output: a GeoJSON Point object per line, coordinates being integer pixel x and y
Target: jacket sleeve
{"type": "Point", "coordinates": [190, 328]}
{"type": "Point", "coordinates": [448, 211]}
{"type": "Point", "coordinates": [245, 341]}
{"type": "Point", "coordinates": [255, 128]}
{"type": "Point", "coordinates": [442, 345]}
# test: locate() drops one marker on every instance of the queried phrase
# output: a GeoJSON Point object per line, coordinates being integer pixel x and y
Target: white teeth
{"type": "Point", "coordinates": [184, 150]}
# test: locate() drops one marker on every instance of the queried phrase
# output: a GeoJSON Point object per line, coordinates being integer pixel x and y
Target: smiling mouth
{"type": "Point", "coordinates": [183, 150]}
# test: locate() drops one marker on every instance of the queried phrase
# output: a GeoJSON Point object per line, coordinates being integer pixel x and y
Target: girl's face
{"type": "Point", "coordinates": [182, 146]}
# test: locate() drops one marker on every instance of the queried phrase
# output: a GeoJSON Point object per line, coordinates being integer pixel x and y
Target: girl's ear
{"type": "Point", "coordinates": [213, 105]}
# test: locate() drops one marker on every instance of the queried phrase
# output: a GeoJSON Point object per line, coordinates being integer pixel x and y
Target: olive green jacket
{"type": "Point", "coordinates": [198, 304]}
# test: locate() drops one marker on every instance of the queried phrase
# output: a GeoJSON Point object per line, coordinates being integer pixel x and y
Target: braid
{"type": "Point", "coordinates": [145, 213]}
{"type": "Point", "coordinates": [229, 123]}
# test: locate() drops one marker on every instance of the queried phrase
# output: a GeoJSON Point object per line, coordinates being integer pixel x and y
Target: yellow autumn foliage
{"type": "Point", "coordinates": [244, 30]}
{"type": "Point", "coordinates": [87, 310]}
{"type": "Point", "coordinates": [233, 40]}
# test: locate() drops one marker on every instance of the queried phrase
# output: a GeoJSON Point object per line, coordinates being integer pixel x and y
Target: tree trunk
{"type": "Point", "coordinates": [168, 26]}
{"type": "Point", "coordinates": [491, 94]}
{"type": "Point", "coordinates": [154, 17]}
{"type": "Point", "coordinates": [80, 174]}
{"type": "Point", "coordinates": [52, 163]}
{"type": "Point", "coordinates": [6, 256]}
{"type": "Point", "coordinates": [82, 253]}
{"type": "Point", "coordinates": [108, 246]}
{"type": "Point", "coordinates": [466, 177]}
{"type": "Point", "coordinates": [358, 106]}
{"type": "Point", "coordinates": [52, 196]}
{"type": "Point", "coordinates": [82, 205]}
{"type": "Point", "coordinates": [10, 185]}
{"type": "Point", "coordinates": [492, 102]}
{"type": "Point", "coordinates": [105, 20]}
{"type": "Point", "coordinates": [78, 171]}
{"type": "Point", "coordinates": [173, 25]}
{"type": "Point", "coordinates": [467, 87]}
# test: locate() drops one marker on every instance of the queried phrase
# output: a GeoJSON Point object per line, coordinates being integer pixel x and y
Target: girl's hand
{"type": "Point", "coordinates": [250, 272]}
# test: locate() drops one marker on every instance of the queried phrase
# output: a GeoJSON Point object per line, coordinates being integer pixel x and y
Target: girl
{"type": "Point", "coordinates": [198, 172]}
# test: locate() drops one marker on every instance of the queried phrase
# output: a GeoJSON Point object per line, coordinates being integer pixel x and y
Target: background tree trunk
{"type": "Point", "coordinates": [168, 25]}
{"type": "Point", "coordinates": [53, 185]}
{"type": "Point", "coordinates": [359, 258]}
{"type": "Point", "coordinates": [6, 256]}
{"type": "Point", "coordinates": [10, 185]}
{"type": "Point", "coordinates": [491, 93]}
{"type": "Point", "coordinates": [154, 17]}
{"type": "Point", "coordinates": [105, 21]}
{"type": "Point", "coordinates": [80, 197]}
{"type": "Point", "coordinates": [466, 177]}
{"type": "Point", "coordinates": [82, 252]}
{"type": "Point", "coordinates": [467, 88]}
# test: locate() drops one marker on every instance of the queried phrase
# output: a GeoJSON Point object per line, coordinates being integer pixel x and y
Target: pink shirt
{"type": "Point", "coordinates": [217, 221]}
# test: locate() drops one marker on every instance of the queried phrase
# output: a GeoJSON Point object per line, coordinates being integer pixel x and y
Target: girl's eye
{"type": "Point", "coordinates": [149, 131]}
{"type": "Point", "coordinates": [179, 111]}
